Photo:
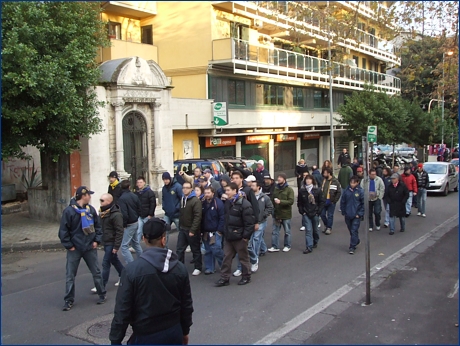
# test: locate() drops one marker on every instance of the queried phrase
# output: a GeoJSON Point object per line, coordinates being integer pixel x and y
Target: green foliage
{"type": "Point", "coordinates": [30, 176]}
{"type": "Point", "coordinates": [48, 74]}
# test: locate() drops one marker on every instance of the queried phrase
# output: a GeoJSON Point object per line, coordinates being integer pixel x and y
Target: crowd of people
{"type": "Point", "coordinates": [223, 220]}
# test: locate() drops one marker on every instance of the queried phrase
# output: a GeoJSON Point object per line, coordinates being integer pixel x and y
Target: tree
{"type": "Point", "coordinates": [48, 73]}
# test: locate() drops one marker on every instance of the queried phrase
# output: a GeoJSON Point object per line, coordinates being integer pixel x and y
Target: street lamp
{"type": "Point", "coordinates": [442, 110]}
{"type": "Point", "coordinates": [331, 117]}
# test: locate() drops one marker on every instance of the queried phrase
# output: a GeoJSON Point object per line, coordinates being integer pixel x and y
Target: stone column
{"type": "Point", "coordinates": [271, 158]}
{"type": "Point", "coordinates": [157, 168]}
{"type": "Point", "coordinates": [118, 105]}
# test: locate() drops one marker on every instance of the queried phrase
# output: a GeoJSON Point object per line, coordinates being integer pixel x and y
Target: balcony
{"type": "Point", "coordinates": [272, 20]}
{"type": "Point", "coordinates": [133, 9]}
{"type": "Point", "coordinates": [125, 49]}
{"type": "Point", "coordinates": [244, 58]}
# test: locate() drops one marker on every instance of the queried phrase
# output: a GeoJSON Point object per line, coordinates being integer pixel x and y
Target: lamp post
{"type": "Point", "coordinates": [331, 118]}
{"type": "Point", "coordinates": [442, 109]}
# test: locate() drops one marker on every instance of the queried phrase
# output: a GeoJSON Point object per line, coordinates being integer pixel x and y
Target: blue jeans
{"type": "Point", "coordinates": [130, 236]}
{"type": "Point", "coordinates": [253, 256]}
{"type": "Point", "coordinates": [141, 227]}
{"type": "Point", "coordinates": [276, 233]}
{"type": "Point", "coordinates": [258, 243]}
{"type": "Point", "coordinates": [375, 207]}
{"type": "Point", "coordinates": [409, 202]}
{"type": "Point", "coordinates": [353, 228]}
{"type": "Point", "coordinates": [421, 200]}
{"type": "Point", "coordinates": [73, 261]}
{"type": "Point", "coordinates": [327, 215]}
{"type": "Point", "coordinates": [109, 259]}
{"type": "Point", "coordinates": [213, 252]}
{"type": "Point", "coordinates": [170, 221]}
{"type": "Point", "coordinates": [387, 213]}
{"type": "Point", "coordinates": [311, 230]}
{"type": "Point", "coordinates": [263, 245]}
{"type": "Point", "coordinates": [402, 221]}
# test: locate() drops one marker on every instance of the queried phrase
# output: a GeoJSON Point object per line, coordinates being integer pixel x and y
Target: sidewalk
{"type": "Point", "coordinates": [414, 304]}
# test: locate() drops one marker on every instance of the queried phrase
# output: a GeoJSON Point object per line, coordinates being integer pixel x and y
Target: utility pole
{"type": "Point", "coordinates": [366, 219]}
{"type": "Point", "coordinates": [331, 118]}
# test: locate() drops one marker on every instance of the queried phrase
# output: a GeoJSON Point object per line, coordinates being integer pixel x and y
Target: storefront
{"type": "Point", "coordinates": [285, 154]}
{"type": "Point", "coordinates": [213, 147]}
{"type": "Point", "coordinates": [255, 148]}
{"type": "Point", "coordinates": [309, 148]}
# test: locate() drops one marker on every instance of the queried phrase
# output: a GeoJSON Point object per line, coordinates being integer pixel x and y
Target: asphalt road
{"type": "Point", "coordinates": [286, 285]}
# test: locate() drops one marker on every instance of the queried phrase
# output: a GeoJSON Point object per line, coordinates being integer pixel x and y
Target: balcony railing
{"type": "Point", "coordinates": [124, 49]}
{"type": "Point", "coordinates": [261, 60]}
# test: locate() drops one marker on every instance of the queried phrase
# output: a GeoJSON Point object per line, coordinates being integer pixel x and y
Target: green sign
{"type": "Point", "coordinates": [372, 134]}
{"type": "Point", "coordinates": [219, 111]}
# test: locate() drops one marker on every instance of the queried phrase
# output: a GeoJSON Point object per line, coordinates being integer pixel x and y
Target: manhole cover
{"type": "Point", "coordinates": [101, 330]}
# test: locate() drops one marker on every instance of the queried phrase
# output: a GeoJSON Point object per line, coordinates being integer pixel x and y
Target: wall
{"type": "Point", "coordinates": [124, 49]}
{"type": "Point", "coordinates": [178, 138]}
{"type": "Point", "coordinates": [12, 169]}
{"type": "Point", "coordinates": [191, 86]}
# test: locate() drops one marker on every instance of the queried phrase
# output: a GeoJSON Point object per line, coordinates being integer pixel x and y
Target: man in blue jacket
{"type": "Point", "coordinates": [212, 227]}
{"type": "Point", "coordinates": [80, 233]}
{"type": "Point", "coordinates": [352, 206]}
{"type": "Point", "coordinates": [171, 197]}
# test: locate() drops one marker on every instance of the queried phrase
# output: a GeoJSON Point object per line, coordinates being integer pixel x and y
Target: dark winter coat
{"type": "Point", "coordinates": [115, 192]}
{"type": "Point", "coordinates": [300, 170]}
{"type": "Point", "coordinates": [397, 197]}
{"type": "Point", "coordinates": [251, 197]}
{"type": "Point", "coordinates": [422, 178]}
{"type": "Point", "coordinates": [154, 295]}
{"type": "Point", "coordinates": [343, 159]}
{"type": "Point", "coordinates": [283, 210]}
{"type": "Point", "coordinates": [112, 226]}
{"type": "Point", "coordinates": [171, 196]}
{"type": "Point", "coordinates": [71, 233]}
{"type": "Point", "coordinates": [269, 189]}
{"type": "Point", "coordinates": [221, 191]}
{"type": "Point", "coordinates": [190, 213]}
{"type": "Point", "coordinates": [239, 219]}
{"type": "Point", "coordinates": [304, 204]}
{"type": "Point", "coordinates": [148, 201]}
{"type": "Point", "coordinates": [318, 177]}
{"type": "Point", "coordinates": [130, 206]}
{"type": "Point", "coordinates": [213, 216]}
{"type": "Point", "coordinates": [335, 189]}
{"type": "Point", "coordinates": [265, 207]}
{"type": "Point", "coordinates": [352, 202]}
{"type": "Point", "coordinates": [260, 175]}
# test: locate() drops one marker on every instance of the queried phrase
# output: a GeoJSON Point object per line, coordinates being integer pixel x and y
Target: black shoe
{"type": "Point", "coordinates": [402, 230]}
{"type": "Point", "coordinates": [407, 215]}
{"type": "Point", "coordinates": [67, 305]}
{"type": "Point", "coordinates": [101, 300]}
{"type": "Point", "coordinates": [315, 246]}
{"type": "Point", "coordinates": [244, 281]}
{"type": "Point", "coordinates": [351, 251]}
{"type": "Point", "coordinates": [262, 254]}
{"type": "Point", "coordinates": [385, 225]}
{"type": "Point", "coordinates": [222, 282]}
{"type": "Point", "coordinates": [307, 250]}
{"type": "Point", "coordinates": [359, 242]}
{"type": "Point", "coordinates": [391, 233]}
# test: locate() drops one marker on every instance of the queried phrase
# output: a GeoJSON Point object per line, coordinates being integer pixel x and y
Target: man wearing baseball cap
{"type": "Point", "coordinates": [260, 172]}
{"type": "Point", "coordinates": [211, 181]}
{"type": "Point", "coordinates": [114, 187]}
{"type": "Point", "coordinates": [423, 182]}
{"type": "Point", "coordinates": [80, 233]}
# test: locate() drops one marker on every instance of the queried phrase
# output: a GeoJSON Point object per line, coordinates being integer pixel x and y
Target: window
{"type": "Point", "coordinates": [356, 59]}
{"type": "Point", "coordinates": [272, 95]}
{"type": "Point", "coordinates": [114, 30]}
{"type": "Point", "coordinates": [364, 63]}
{"type": "Point", "coordinates": [321, 99]}
{"type": "Point", "coordinates": [147, 34]}
{"type": "Point", "coordinates": [236, 91]}
{"type": "Point", "coordinates": [297, 97]}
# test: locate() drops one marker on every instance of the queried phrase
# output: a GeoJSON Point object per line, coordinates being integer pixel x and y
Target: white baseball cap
{"type": "Point", "coordinates": [261, 162]}
{"type": "Point", "coordinates": [250, 178]}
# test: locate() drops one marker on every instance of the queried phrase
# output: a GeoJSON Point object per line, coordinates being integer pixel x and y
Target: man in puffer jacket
{"type": "Point", "coordinates": [239, 226]}
{"type": "Point", "coordinates": [148, 204]}
{"type": "Point", "coordinates": [411, 183]}
{"type": "Point", "coordinates": [331, 192]}
{"type": "Point", "coordinates": [352, 206]}
{"type": "Point", "coordinates": [423, 182]}
{"type": "Point", "coordinates": [171, 194]}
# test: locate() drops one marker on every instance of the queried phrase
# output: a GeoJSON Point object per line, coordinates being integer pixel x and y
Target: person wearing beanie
{"type": "Point", "coordinates": [283, 200]}
{"type": "Point", "coordinates": [268, 186]}
{"type": "Point", "coordinates": [409, 180]}
{"type": "Point", "coordinates": [154, 296]}
{"type": "Point", "coordinates": [260, 171]}
{"type": "Point", "coordinates": [396, 195]}
{"type": "Point", "coordinates": [114, 187]}
{"type": "Point", "coordinates": [224, 181]}
{"type": "Point", "coordinates": [300, 169]}
{"type": "Point", "coordinates": [171, 195]}
{"type": "Point", "coordinates": [423, 182]}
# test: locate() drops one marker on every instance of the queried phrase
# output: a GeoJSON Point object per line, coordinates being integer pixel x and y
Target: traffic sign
{"type": "Point", "coordinates": [219, 111]}
{"type": "Point", "coordinates": [372, 134]}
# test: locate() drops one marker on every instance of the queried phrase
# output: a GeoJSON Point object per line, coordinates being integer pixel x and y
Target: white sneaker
{"type": "Point", "coordinates": [419, 214]}
{"type": "Point", "coordinates": [117, 283]}
{"type": "Point", "coordinates": [377, 228]}
{"type": "Point", "coordinates": [188, 249]}
{"type": "Point", "coordinates": [423, 215]}
{"type": "Point", "coordinates": [371, 229]}
{"type": "Point", "coordinates": [286, 249]}
{"type": "Point", "coordinates": [254, 267]}
{"type": "Point", "coordinates": [94, 290]}
{"type": "Point", "coordinates": [319, 225]}
{"type": "Point", "coordinates": [131, 249]}
{"type": "Point", "coordinates": [272, 249]}
{"type": "Point", "coordinates": [237, 272]}
{"type": "Point", "coordinates": [196, 272]}
{"type": "Point", "coordinates": [302, 228]}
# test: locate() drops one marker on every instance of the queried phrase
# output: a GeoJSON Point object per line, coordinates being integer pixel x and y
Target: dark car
{"type": "Point", "coordinates": [189, 165]}
{"type": "Point", "coordinates": [236, 162]}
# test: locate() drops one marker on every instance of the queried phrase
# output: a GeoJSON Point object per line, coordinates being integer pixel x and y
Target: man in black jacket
{"type": "Point", "coordinates": [237, 178]}
{"type": "Point", "coordinates": [300, 169]}
{"type": "Point", "coordinates": [423, 182]}
{"type": "Point", "coordinates": [148, 204]}
{"type": "Point", "coordinates": [80, 233]}
{"type": "Point", "coordinates": [239, 226]}
{"type": "Point", "coordinates": [112, 235]}
{"type": "Point", "coordinates": [130, 206]}
{"type": "Point", "coordinates": [154, 296]}
{"type": "Point", "coordinates": [114, 187]}
{"type": "Point", "coordinates": [343, 158]}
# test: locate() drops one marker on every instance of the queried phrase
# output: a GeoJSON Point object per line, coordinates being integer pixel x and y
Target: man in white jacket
{"type": "Point", "coordinates": [376, 192]}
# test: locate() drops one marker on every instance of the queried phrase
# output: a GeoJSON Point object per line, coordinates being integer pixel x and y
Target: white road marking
{"type": "Point", "coordinates": [454, 291]}
{"type": "Point", "coordinates": [329, 300]}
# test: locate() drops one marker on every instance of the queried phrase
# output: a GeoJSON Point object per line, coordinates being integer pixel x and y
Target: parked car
{"type": "Point", "coordinates": [455, 163]}
{"type": "Point", "coordinates": [405, 151]}
{"type": "Point", "coordinates": [189, 165]}
{"type": "Point", "coordinates": [237, 162]}
{"type": "Point", "coordinates": [443, 177]}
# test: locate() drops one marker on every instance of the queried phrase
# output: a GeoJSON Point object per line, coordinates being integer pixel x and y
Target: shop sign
{"type": "Point", "coordinates": [219, 141]}
{"type": "Point", "coordinates": [288, 137]}
{"type": "Point", "coordinates": [257, 139]}
{"type": "Point", "coordinates": [311, 135]}
{"type": "Point", "coordinates": [220, 113]}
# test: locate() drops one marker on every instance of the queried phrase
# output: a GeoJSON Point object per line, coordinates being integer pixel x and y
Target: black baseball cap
{"type": "Point", "coordinates": [154, 228]}
{"type": "Point", "coordinates": [113, 174]}
{"type": "Point", "coordinates": [83, 190]}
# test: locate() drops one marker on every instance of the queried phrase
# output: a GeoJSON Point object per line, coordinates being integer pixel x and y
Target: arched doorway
{"type": "Point", "coordinates": [135, 146]}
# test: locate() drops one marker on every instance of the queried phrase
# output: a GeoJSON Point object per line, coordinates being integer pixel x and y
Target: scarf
{"type": "Point", "coordinates": [260, 169]}
{"type": "Point", "coordinates": [114, 184]}
{"type": "Point", "coordinates": [104, 211]}
{"type": "Point", "coordinates": [311, 197]}
{"type": "Point", "coordinates": [87, 221]}
{"type": "Point", "coordinates": [328, 195]}
{"type": "Point", "coordinates": [145, 188]}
